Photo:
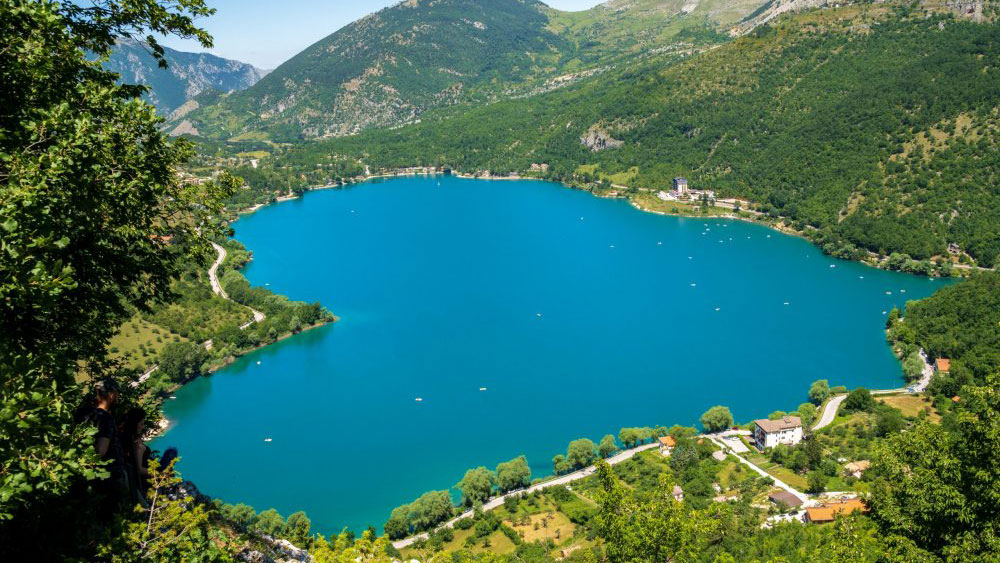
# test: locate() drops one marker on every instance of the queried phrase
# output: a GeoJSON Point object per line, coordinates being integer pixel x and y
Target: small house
{"type": "Point", "coordinates": [785, 499]}
{"type": "Point", "coordinates": [943, 365]}
{"type": "Point", "coordinates": [828, 512]}
{"type": "Point", "coordinates": [769, 433]}
{"type": "Point", "coordinates": [667, 444]}
{"type": "Point", "coordinates": [857, 468]}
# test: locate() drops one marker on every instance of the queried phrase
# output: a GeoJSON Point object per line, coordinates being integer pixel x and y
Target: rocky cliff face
{"type": "Point", "coordinates": [597, 139]}
{"type": "Point", "coordinates": [774, 8]}
{"type": "Point", "coordinates": [188, 74]}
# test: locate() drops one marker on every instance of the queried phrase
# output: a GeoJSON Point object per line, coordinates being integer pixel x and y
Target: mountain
{"type": "Point", "coordinates": [869, 128]}
{"type": "Point", "coordinates": [187, 76]}
{"type": "Point", "coordinates": [390, 67]}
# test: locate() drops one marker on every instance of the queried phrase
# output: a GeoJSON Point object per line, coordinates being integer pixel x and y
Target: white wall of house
{"type": "Point", "coordinates": [790, 436]}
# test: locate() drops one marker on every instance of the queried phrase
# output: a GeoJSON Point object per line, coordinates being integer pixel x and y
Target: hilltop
{"type": "Point", "coordinates": [391, 67]}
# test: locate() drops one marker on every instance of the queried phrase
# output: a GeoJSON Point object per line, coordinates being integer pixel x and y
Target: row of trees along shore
{"type": "Point", "coordinates": [479, 485]}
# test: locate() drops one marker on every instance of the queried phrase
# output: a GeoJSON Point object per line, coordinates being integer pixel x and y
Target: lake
{"type": "Point", "coordinates": [577, 315]}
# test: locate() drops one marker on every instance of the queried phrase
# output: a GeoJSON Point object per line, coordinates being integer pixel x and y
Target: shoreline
{"type": "Point", "coordinates": [165, 424]}
{"type": "Point", "coordinates": [779, 224]}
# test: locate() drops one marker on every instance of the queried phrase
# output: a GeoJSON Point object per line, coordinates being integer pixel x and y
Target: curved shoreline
{"type": "Point", "coordinates": [428, 178]}
{"type": "Point", "coordinates": [873, 260]}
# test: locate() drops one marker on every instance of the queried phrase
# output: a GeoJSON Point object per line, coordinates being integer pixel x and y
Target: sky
{"type": "Point", "coordinates": [266, 33]}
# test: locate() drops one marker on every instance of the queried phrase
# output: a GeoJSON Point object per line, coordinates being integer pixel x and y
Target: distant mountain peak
{"type": "Point", "coordinates": [186, 76]}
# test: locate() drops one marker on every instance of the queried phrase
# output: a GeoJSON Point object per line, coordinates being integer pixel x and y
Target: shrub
{"type": "Point", "coordinates": [464, 524]}
{"type": "Point", "coordinates": [859, 400]}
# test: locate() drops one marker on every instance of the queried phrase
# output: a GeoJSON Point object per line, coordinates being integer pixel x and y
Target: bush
{"type": "Point", "coordinates": [511, 534]}
{"type": "Point", "coordinates": [859, 400]}
{"type": "Point", "coordinates": [487, 524]}
{"type": "Point", "coordinates": [716, 419]}
{"type": "Point", "coordinates": [578, 511]}
{"type": "Point", "coordinates": [817, 482]}
{"type": "Point", "coordinates": [464, 524]}
{"type": "Point", "coordinates": [510, 503]}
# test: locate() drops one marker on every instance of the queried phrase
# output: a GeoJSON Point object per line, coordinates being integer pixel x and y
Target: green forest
{"type": "Point", "coordinates": [959, 323]}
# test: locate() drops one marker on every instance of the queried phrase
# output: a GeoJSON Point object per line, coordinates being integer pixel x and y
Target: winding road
{"type": "Point", "coordinates": [833, 405]}
{"type": "Point", "coordinates": [830, 412]}
{"type": "Point", "coordinates": [213, 279]}
{"type": "Point", "coordinates": [828, 416]}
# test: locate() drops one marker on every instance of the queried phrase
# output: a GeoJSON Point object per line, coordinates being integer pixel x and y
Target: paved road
{"type": "Point", "coordinates": [830, 411]}
{"type": "Point", "coordinates": [829, 414]}
{"type": "Point", "coordinates": [562, 480]}
{"type": "Point", "coordinates": [213, 278]}
{"type": "Point", "coordinates": [928, 373]}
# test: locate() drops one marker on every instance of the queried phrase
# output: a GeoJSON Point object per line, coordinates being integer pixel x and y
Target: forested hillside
{"type": "Point", "coordinates": [959, 323]}
{"type": "Point", "coordinates": [187, 74]}
{"type": "Point", "coordinates": [392, 66]}
{"type": "Point", "coordinates": [871, 127]}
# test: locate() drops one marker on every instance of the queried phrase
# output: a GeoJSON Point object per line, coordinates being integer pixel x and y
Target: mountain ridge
{"type": "Point", "coordinates": [390, 67]}
{"type": "Point", "coordinates": [187, 75]}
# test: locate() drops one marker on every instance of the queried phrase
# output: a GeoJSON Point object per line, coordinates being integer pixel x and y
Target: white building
{"type": "Point", "coordinates": [770, 433]}
{"type": "Point", "coordinates": [680, 186]}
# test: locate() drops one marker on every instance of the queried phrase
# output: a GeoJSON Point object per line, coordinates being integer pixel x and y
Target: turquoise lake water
{"type": "Point", "coordinates": [579, 315]}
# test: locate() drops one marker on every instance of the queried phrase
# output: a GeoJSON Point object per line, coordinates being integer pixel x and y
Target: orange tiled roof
{"type": "Point", "coordinates": [943, 365]}
{"type": "Point", "coordinates": [668, 441]}
{"type": "Point", "coordinates": [829, 511]}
